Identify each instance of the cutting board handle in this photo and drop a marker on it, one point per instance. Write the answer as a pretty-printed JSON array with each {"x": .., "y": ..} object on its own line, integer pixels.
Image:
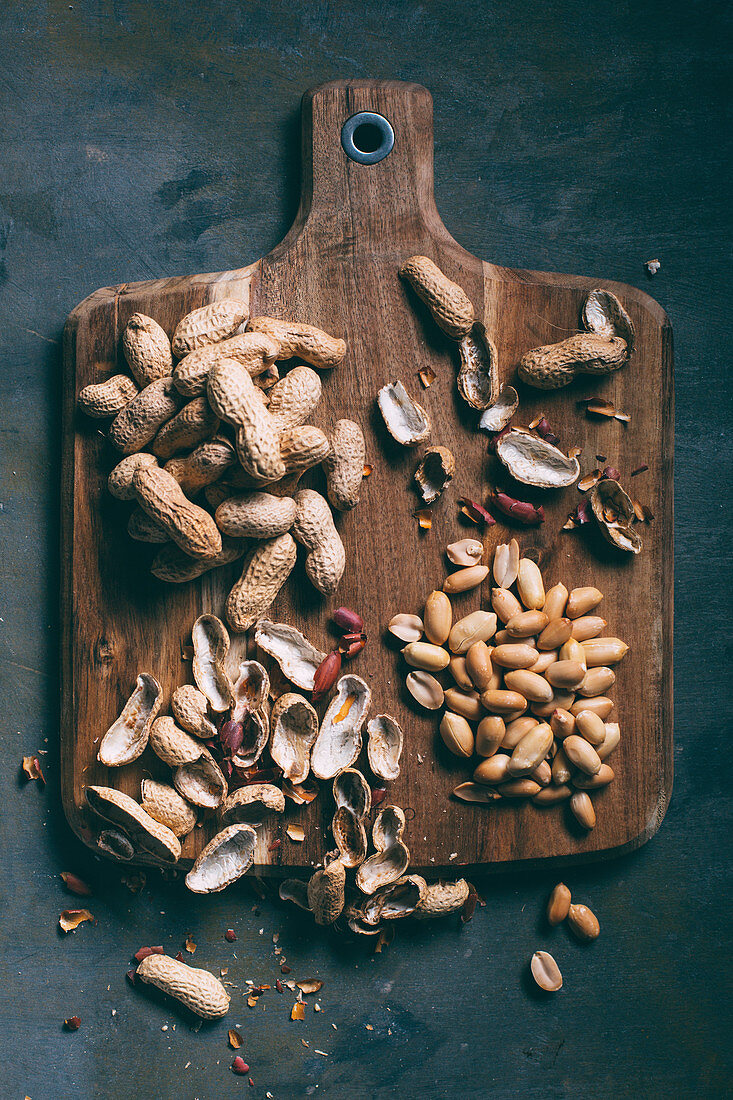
[{"x": 360, "y": 204}]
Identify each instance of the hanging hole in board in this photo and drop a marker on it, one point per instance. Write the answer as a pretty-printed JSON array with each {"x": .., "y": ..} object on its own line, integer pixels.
[{"x": 367, "y": 137}]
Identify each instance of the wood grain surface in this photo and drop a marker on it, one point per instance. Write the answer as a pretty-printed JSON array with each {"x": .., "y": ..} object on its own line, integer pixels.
[{"x": 338, "y": 268}]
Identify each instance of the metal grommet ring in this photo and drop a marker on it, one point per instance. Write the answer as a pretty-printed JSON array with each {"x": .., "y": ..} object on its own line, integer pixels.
[{"x": 367, "y": 137}]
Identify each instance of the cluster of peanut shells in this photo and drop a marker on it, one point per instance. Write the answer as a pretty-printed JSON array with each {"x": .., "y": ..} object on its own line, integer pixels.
[
  {"x": 214, "y": 741},
  {"x": 215, "y": 442},
  {"x": 529, "y": 699}
]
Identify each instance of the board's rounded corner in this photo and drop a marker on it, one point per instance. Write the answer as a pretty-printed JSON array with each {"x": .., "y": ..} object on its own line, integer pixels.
[{"x": 88, "y": 305}]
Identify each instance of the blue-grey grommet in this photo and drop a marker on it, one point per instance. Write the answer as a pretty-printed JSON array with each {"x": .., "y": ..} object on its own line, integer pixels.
[{"x": 380, "y": 137}]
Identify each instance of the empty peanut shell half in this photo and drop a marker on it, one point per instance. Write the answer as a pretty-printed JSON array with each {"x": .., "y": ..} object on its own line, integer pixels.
[
  {"x": 296, "y": 656},
  {"x": 350, "y": 836},
  {"x": 210, "y": 647},
  {"x": 435, "y": 472},
  {"x": 405, "y": 420},
  {"x": 339, "y": 739},
  {"x": 255, "y": 732},
  {"x": 250, "y": 691},
  {"x": 392, "y": 857},
  {"x": 384, "y": 746},
  {"x": 497, "y": 415},
  {"x": 614, "y": 514},
  {"x": 127, "y": 737},
  {"x": 294, "y": 730},
  {"x": 224, "y": 859},
  {"x": 350, "y": 789},
  {"x": 326, "y": 892},
  {"x": 201, "y": 782},
  {"x": 296, "y": 891},
  {"x": 478, "y": 378},
  {"x": 251, "y": 804},
  {"x": 533, "y": 461},
  {"x": 604, "y": 315},
  {"x": 394, "y": 901},
  {"x": 142, "y": 830}
]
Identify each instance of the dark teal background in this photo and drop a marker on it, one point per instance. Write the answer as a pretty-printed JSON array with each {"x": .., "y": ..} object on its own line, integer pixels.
[{"x": 146, "y": 139}]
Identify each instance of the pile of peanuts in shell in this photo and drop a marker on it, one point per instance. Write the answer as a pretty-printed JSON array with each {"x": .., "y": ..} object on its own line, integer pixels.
[
  {"x": 529, "y": 699},
  {"x": 215, "y": 442}
]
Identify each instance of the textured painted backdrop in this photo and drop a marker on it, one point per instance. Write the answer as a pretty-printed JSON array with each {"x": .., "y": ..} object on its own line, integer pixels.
[{"x": 142, "y": 139}]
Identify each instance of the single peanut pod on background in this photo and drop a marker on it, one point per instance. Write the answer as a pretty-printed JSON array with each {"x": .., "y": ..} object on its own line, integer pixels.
[
  {"x": 234, "y": 398},
  {"x": 581, "y": 601},
  {"x": 457, "y": 735},
  {"x": 503, "y": 702},
  {"x": 437, "y": 618},
  {"x": 208, "y": 325},
  {"x": 528, "y": 684},
  {"x": 197, "y": 990},
  {"x": 516, "y": 730},
  {"x": 591, "y": 727},
  {"x": 134, "y": 427},
  {"x": 527, "y": 624},
  {"x": 505, "y": 604},
  {"x": 465, "y": 703},
  {"x": 448, "y": 303},
  {"x": 314, "y": 528},
  {"x": 489, "y": 735},
  {"x": 189, "y": 526},
  {"x": 254, "y": 352},
  {"x": 581, "y": 754},
  {"x": 588, "y": 626},
  {"x": 604, "y": 651},
  {"x": 192, "y": 425},
  {"x": 530, "y": 585},
  {"x": 460, "y": 674},
  {"x": 313, "y": 345},
  {"x": 425, "y": 655},
  {"x": 492, "y": 770},
  {"x": 147, "y": 349},
  {"x": 582, "y": 809},
  {"x": 514, "y": 655},
  {"x": 265, "y": 571},
  {"x": 599, "y": 704},
  {"x": 555, "y": 634},
  {"x": 558, "y": 904},
  {"x": 555, "y": 602},
  {"x": 344, "y": 464},
  {"x": 465, "y": 579},
  {"x": 107, "y": 398},
  {"x": 555, "y": 365}
]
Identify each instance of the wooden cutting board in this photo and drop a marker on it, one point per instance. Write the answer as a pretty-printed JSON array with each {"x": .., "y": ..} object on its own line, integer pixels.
[{"x": 337, "y": 268}]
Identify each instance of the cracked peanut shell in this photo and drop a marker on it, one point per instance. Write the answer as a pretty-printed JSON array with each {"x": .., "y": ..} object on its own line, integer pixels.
[
  {"x": 339, "y": 739},
  {"x": 533, "y": 461},
  {"x": 294, "y": 725},
  {"x": 128, "y": 815},
  {"x": 126, "y": 738}
]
